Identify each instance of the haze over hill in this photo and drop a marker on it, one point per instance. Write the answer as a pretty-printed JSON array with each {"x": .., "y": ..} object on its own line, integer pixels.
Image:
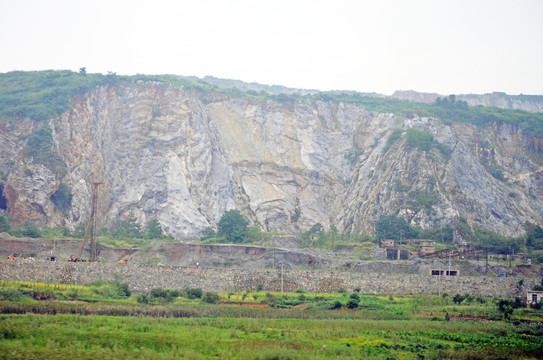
[{"x": 183, "y": 151}]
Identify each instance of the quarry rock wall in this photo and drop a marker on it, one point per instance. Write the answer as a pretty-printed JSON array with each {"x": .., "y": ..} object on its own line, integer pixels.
[{"x": 164, "y": 153}]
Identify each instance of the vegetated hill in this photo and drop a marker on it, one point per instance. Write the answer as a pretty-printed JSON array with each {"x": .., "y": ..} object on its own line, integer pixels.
[{"x": 183, "y": 151}]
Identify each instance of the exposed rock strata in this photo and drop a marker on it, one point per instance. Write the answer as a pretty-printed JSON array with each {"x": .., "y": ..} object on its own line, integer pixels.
[
  {"x": 531, "y": 103},
  {"x": 163, "y": 153}
]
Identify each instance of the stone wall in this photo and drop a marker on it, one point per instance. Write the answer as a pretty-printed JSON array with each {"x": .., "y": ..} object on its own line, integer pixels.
[{"x": 144, "y": 278}]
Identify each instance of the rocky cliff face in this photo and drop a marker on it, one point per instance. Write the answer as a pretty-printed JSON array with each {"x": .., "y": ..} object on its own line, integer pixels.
[
  {"x": 530, "y": 103},
  {"x": 162, "y": 153}
]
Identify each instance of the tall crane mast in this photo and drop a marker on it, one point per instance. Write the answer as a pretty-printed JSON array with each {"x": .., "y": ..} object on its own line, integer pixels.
[{"x": 92, "y": 221}]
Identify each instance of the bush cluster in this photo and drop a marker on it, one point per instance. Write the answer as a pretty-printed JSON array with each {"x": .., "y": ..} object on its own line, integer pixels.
[{"x": 166, "y": 296}]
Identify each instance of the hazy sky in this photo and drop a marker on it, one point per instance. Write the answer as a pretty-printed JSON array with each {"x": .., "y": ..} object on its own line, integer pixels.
[{"x": 447, "y": 47}]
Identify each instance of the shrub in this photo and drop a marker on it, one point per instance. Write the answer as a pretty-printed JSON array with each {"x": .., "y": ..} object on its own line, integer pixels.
[
  {"x": 518, "y": 303},
  {"x": 352, "y": 303},
  {"x": 335, "y": 305},
  {"x": 443, "y": 150},
  {"x": 142, "y": 299},
  {"x": 506, "y": 306},
  {"x": 41, "y": 149},
  {"x": 123, "y": 289},
  {"x": 11, "y": 294},
  {"x": 164, "y": 295},
  {"x": 45, "y": 294},
  {"x": 394, "y": 135},
  {"x": 458, "y": 298},
  {"x": 208, "y": 233},
  {"x": 211, "y": 298},
  {"x": 191, "y": 293},
  {"x": 507, "y": 311},
  {"x": 62, "y": 198},
  {"x": 111, "y": 289},
  {"x": 127, "y": 228},
  {"x": 269, "y": 298},
  {"x": 419, "y": 139},
  {"x": 31, "y": 231},
  {"x": 421, "y": 199}
]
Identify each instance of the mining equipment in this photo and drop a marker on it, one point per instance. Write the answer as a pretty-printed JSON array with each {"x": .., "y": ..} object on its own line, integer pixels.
[{"x": 92, "y": 221}]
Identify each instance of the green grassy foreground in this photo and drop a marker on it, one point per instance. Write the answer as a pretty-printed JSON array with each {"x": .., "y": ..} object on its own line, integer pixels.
[{"x": 105, "y": 321}]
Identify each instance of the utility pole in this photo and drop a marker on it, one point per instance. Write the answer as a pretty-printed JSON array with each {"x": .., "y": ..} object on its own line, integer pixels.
[
  {"x": 281, "y": 277},
  {"x": 439, "y": 284},
  {"x": 93, "y": 254},
  {"x": 486, "y": 266},
  {"x": 92, "y": 221},
  {"x": 450, "y": 252},
  {"x": 510, "y": 255}
]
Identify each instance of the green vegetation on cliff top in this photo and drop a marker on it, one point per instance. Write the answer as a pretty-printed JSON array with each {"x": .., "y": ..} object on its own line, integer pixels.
[{"x": 41, "y": 95}]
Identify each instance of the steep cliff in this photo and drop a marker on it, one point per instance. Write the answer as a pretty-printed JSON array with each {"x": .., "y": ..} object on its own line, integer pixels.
[{"x": 163, "y": 152}]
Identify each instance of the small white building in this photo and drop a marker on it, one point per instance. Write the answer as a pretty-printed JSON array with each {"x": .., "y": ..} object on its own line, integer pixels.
[{"x": 534, "y": 297}]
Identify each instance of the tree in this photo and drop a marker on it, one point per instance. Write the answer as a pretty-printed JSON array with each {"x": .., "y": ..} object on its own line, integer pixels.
[
  {"x": 83, "y": 71},
  {"x": 127, "y": 228},
  {"x": 4, "y": 224},
  {"x": 233, "y": 226},
  {"x": 506, "y": 307},
  {"x": 208, "y": 233},
  {"x": 112, "y": 77},
  {"x": 30, "y": 230},
  {"x": 533, "y": 234},
  {"x": 154, "y": 230},
  {"x": 394, "y": 227}
]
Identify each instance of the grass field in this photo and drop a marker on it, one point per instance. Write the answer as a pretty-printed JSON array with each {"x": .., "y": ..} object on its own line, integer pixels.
[{"x": 114, "y": 325}]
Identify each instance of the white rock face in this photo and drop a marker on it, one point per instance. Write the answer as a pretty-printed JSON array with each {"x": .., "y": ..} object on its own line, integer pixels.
[
  {"x": 163, "y": 153},
  {"x": 530, "y": 103}
]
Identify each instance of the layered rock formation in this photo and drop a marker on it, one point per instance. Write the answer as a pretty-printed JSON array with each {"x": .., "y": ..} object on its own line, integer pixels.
[
  {"x": 530, "y": 103},
  {"x": 161, "y": 152}
]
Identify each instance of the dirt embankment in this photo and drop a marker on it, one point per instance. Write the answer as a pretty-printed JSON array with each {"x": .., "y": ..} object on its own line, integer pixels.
[
  {"x": 177, "y": 254},
  {"x": 253, "y": 257}
]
